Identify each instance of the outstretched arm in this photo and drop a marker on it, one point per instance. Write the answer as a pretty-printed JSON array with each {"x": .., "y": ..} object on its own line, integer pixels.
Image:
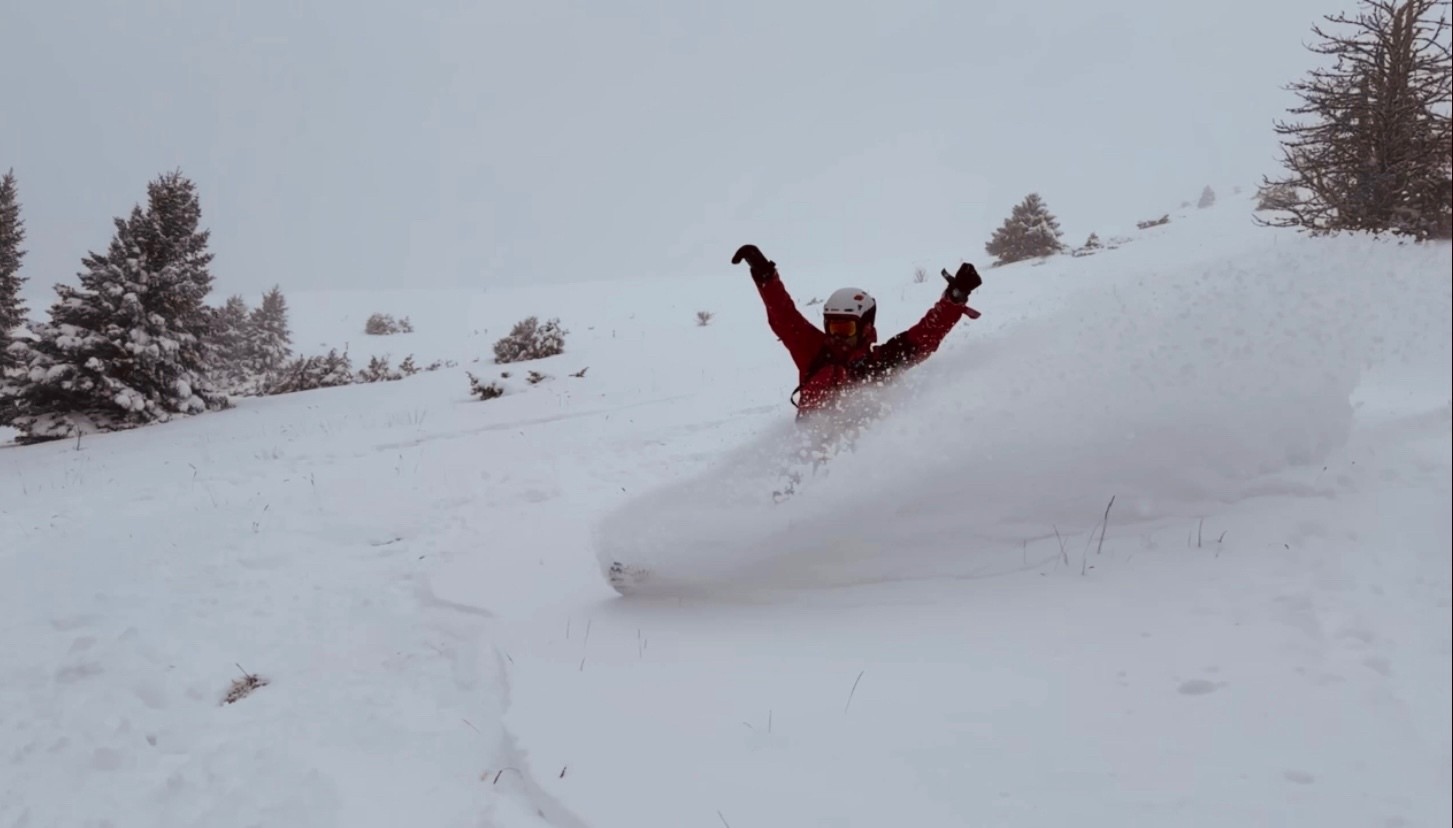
[
  {"x": 918, "y": 342},
  {"x": 913, "y": 345},
  {"x": 802, "y": 338}
]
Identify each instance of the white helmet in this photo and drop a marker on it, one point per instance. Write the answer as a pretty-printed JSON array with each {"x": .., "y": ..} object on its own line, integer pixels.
[{"x": 852, "y": 302}]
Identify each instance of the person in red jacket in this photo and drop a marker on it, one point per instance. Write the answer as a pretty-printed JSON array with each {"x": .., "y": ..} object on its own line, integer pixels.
[{"x": 843, "y": 353}]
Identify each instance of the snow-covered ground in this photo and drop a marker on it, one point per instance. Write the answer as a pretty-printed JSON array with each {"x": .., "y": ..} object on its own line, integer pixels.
[{"x": 944, "y": 627}]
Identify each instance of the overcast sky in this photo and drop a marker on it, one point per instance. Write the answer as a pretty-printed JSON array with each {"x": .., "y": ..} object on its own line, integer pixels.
[{"x": 449, "y": 143}]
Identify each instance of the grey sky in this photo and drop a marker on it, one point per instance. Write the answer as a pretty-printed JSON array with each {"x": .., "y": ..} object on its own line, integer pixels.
[{"x": 438, "y": 143}]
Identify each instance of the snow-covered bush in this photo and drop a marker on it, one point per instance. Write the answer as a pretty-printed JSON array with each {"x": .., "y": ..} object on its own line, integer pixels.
[
  {"x": 1149, "y": 223},
  {"x": 433, "y": 366},
  {"x": 378, "y": 370},
  {"x": 319, "y": 371},
  {"x": 484, "y": 390},
  {"x": 1208, "y": 197},
  {"x": 529, "y": 339},
  {"x": 1276, "y": 197},
  {"x": 383, "y": 324}
]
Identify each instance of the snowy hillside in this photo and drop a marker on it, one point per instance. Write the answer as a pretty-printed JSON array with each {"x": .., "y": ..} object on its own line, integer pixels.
[{"x": 951, "y": 624}]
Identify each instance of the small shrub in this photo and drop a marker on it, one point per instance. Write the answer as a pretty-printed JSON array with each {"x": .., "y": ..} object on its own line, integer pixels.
[
  {"x": 378, "y": 370},
  {"x": 920, "y": 275},
  {"x": 1149, "y": 223},
  {"x": 1208, "y": 197},
  {"x": 484, "y": 390},
  {"x": 382, "y": 324},
  {"x": 535, "y": 377},
  {"x": 703, "y": 318},
  {"x": 1092, "y": 244},
  {"x": 243, "y": 686},
  {"x": 310, "y": 372},
  {"x": 528, "y": 339},
  {"x": 1276, "y": 197}
]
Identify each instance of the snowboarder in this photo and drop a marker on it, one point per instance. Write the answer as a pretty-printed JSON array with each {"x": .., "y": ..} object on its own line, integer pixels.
[{"x": 843, "y": 353}]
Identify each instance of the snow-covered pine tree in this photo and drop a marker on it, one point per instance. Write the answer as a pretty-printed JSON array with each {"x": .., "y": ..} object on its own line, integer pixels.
[
  {"x": 1089, "y": 248},
  {"x": 131, "y": 345},
  {"x": 269, "y": 342},
  {"x": 1208, "y": 197},
  {"x": 229, "y": 344},
  {"x": 1029, "y": 231},
  {"x": 12, "y": 233}
]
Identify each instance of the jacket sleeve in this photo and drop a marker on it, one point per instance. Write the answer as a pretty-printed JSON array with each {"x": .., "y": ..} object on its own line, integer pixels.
[
  {"x": 913, "y": 345},
  {"x": 802, "y": 338}
]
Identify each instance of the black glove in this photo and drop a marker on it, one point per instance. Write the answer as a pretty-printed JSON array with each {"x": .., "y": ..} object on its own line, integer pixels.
[
  {"x": 763, "y": 271},
  {"x": 961, "y": 284}
]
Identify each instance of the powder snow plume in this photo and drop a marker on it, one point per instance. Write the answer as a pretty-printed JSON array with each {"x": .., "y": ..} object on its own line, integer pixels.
[{"x": 1171, "y": 388}]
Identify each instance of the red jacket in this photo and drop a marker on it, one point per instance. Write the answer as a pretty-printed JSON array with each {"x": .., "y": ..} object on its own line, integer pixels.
[{"x": 821, "y": 377}]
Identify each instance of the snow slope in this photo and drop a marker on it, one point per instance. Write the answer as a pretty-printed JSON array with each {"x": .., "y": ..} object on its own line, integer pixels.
[{"x": 943, "y": 627}]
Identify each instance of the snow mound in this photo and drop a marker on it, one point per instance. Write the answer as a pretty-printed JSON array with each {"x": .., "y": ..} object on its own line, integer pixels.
[{"x": 1174, "y": 390}]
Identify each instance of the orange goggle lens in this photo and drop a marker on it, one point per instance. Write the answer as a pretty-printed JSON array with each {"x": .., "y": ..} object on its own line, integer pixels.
[{"x": 842, "y": 327}]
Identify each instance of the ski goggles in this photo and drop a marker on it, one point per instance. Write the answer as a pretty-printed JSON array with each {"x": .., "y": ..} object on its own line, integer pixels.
[{"x": 843, "y": 326}]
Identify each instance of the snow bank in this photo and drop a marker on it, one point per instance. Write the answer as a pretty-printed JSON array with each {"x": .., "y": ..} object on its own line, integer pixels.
[{"x": 1176, "y": 389}]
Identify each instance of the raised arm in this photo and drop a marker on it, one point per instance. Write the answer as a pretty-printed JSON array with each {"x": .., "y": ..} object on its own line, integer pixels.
[
  {"x": 802, "y": 338},
  {"x": 911, "y": 346},
  {"x": 918, "y": 342}
]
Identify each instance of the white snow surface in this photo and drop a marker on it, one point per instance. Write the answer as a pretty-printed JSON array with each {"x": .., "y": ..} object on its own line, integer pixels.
[{"x": 942, "y": 627}]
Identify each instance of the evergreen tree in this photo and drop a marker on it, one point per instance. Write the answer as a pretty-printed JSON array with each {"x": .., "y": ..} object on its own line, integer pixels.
[
  {"x": 1375, "y": 155},
  {"x": 269, "y": 342},
  {"x": 1208, "y": 197},
  {"x": 231, "y": 325},
  {"x": 229, "y": 336},
  {"x": 12, "y": 233},
  {"x": 130, "y": 346},
  {"x": 1029, "y": 231}
]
